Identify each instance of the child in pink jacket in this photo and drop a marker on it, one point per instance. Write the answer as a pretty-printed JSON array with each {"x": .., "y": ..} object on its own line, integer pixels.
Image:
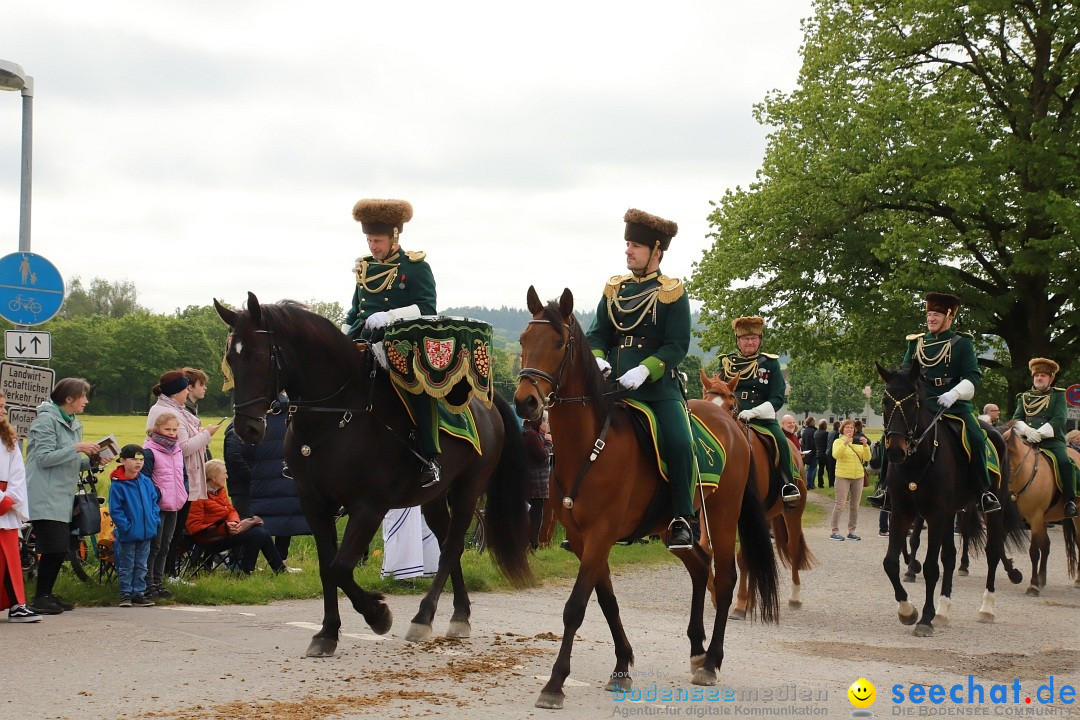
[{"x": 163, "y": 444}]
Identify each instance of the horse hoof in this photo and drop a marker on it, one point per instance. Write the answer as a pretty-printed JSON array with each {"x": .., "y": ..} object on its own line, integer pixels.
[
  {"x": 550, "y": 701},
  {"x": 383, "y": 621},
  {"x": 1032, "y": 591},
  {"x": 985, "y": 617},
  {"x": 704, "y": 677},
  {"x": 962, "y": 572},
  {"x": 941, "y": 621},
  {"x": 737, "y": 614},
  {"x": 696, "y": 661},
  {"x": 622, "y": 684},
  {"x": 459, "y": 629},
  {"x": 916, "y": 566},
  {"x": 1015, "y": 576},
  {"x": 910, "y": 577},
  {"x": 922, "y": 630},
  {"x": 794, "y": 604},
  {"x": 907, "y": 613},
  {"x": 418, "y": 633},
  {"x": 321, "y": 647}
]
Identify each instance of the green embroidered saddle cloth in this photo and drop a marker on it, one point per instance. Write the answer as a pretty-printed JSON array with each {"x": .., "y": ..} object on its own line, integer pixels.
[
  {"x": 1052, "y": 461},
  {"x": 448, "y": 358},
  {"x": 709, "y": 452},
  {"x": 456, "y": 424},
  {"x": 770, "y": 441},
  {"x": 993, "y": 462}
]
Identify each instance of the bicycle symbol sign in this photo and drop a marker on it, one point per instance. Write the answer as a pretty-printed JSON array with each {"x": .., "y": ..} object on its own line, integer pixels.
[{"x": 31, "y": 289}]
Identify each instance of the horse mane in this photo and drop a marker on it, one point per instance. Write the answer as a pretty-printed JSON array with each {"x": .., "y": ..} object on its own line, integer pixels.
[
  {"x": 320, "y": 336},
  {"x": 597, "y": 386}
]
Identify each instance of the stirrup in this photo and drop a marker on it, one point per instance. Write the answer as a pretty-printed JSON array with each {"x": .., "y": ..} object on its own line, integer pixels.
[
  {"x": 880, "y": 501},
  {"x": 1070, "y": 509},
  {"x": 676, "y": 541},
  {"x": 989, "y": 502},
  {"x": 790, "y": 492},
  {"x": 433, "y": 471}
]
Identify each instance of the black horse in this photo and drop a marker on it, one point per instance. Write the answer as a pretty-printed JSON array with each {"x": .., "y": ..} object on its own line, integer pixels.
[
  {"x": 927, "y": 476},
  {"x": 347, "y": 447}
]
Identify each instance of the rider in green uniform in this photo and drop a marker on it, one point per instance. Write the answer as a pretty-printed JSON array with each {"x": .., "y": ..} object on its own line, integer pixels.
[
  {"x": 392, "y": 285},
  {"x": 950, "y": 374},
  {"x": 1040, "y": 417},
  {"x": 642, "y": 332},
  {"x": 761, "y": 391}
]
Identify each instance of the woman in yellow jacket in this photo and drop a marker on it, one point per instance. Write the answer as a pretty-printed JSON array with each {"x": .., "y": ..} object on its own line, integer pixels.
[{"x": 850, "y": 456}]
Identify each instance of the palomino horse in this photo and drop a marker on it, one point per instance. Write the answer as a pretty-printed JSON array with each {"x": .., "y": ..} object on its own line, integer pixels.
[
  {"x": 346, "y": 448},
  {"x": 1039, "y": 501},
  {"x": 927, "y": 469},
  {"x": 786, "y": 521},
  {"x": 609, "y": 481}
]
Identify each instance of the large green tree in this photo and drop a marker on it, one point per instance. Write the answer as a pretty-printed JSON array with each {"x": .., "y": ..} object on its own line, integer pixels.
[{"x": 929, "y": 145}]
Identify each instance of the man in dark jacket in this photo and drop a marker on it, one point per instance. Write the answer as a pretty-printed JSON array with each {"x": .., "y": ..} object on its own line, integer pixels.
[
  {"x": 273, "y": 496},
  {"x": 810, "y": 455},
  {"x": 833, "y": 434},
  {"x": 821, "y": 447}
]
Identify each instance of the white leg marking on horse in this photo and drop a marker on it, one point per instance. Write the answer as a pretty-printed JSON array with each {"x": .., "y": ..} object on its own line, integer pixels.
[
  {"x": 944, "y": 607},
  {"x": 906, "y": 609},
  {"x": 795, "y": 587},
  {"x": 986, "y": 612}
]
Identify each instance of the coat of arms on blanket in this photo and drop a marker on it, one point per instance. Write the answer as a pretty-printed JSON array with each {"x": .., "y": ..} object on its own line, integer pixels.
[{"x": 447, "y": 358}]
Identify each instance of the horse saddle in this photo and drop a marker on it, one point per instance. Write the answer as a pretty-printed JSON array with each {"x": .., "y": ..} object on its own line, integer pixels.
[
  {"x": 709, "y": 452},
  {"x": 956, "y": 427},
  {"x": 776, "y": 478}
]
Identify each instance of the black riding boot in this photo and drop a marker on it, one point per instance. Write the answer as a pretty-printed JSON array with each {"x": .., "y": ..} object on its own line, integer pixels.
[{"x": 680, "y": 537}]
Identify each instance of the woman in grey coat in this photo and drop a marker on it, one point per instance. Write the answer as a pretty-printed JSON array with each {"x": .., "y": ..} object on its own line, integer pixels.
[{"x": 53, "y": 461}]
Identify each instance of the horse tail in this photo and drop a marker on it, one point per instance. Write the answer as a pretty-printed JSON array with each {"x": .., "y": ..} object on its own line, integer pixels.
[
  {"x": 1068, "y": 528},
  {"x": 1016, "y": 532},
  {"x": 505, "y": 516},
  {"x": 972, "y": 531},
  {"x": 780, "y": 534},
  {"x": 758, "y": 551}
]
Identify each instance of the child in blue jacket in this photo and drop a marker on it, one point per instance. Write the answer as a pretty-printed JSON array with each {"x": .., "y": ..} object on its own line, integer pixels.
[{"x": 133, "y": 504}]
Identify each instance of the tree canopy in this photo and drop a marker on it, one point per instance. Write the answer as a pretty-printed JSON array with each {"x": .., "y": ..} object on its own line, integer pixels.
[{"x": 929, "y": 145}]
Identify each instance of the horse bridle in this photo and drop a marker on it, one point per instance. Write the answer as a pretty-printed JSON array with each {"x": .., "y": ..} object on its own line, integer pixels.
[
  {"x": 553, "y": 381},
  {"x": 276, "y": 366},
  {"x": 911, "y": 430}
]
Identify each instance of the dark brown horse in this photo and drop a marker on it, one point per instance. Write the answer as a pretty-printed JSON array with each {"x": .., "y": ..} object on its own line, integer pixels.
[
  {"x": 786, "y": 521},
  {"x": 609, "y": 495},
  {"x": 346, "y": 447}
]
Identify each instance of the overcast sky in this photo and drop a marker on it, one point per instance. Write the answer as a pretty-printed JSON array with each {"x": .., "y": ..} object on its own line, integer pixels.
[{"x": 203, "y": 149}]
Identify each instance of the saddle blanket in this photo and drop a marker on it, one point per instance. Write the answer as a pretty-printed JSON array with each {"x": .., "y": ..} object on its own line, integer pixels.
[
  {"x": 460, "y": 424},
  {"x": 993, "y": 462},
  {"x": 709, "y": 452},
  {"x": 1052, "y": 461},
  {"x": 770, "y": 442}
]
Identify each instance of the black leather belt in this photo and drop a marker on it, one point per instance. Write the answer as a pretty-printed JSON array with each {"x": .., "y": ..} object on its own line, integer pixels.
[
  {"x": 939, "y": 381},
  {"x": 639, "y": 342}
]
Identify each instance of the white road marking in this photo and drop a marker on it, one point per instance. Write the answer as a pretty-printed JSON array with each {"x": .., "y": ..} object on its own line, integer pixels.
[{"x": 355, "y": 636}]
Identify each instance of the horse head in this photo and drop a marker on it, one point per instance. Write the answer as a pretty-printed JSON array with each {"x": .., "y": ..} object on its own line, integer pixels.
[
  {"x": 715, "y": 389},
  {"x": 547, "y": 345},
  {"x": 901, "y": 408},
  {"x": 255, "y": 361}
]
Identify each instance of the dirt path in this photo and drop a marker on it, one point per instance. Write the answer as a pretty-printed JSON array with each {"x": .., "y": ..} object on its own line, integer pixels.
[{"x": 228, "y": 662}]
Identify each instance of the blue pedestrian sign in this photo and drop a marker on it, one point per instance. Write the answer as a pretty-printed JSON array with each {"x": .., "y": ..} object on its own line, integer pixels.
[{"x": 31, "y": 289}]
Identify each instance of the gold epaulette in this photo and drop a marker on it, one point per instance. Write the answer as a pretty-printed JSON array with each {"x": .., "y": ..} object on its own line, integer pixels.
[
  {"x": 1059, "y": 389},
  {"x": 613, "y": 284},
  {"x": 671, "y": 289},
  {"x": 915, "y": 336},
  {"x": 415, "y": 256},
  {"x": 967, "y": 335},
  {"x": 770, "y": 356}
]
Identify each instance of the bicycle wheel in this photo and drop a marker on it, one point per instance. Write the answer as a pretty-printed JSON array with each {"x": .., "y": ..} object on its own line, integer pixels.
[{"x": 476, "y": 535}]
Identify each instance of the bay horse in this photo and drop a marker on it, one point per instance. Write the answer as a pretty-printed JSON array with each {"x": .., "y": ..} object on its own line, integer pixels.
[
  {"x": 927, "y": 475},
  {"x": 346, "y": 447},
  {"x": 1039, "y": 501},
  {"x": 608, "y": 481},
  {"x": 786, "y": 521}
]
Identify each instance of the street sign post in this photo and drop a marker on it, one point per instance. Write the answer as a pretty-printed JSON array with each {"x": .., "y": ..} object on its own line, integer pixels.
[
  {"x": 27, "y": 345},
  {"x": 26, "y": 387},
  {"x": 1074, "y": 413},
  {"x": 1072, "y": 395},
  {"x": 31, "y": 289}
]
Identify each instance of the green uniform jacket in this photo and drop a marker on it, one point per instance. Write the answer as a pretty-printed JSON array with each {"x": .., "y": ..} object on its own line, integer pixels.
[
  {"x": 1055, "y": 412},
  {"x": 403, "y": 279},
  {"x": 646, "y": 322},
  {"x": 760, "y": 379},
  {"x": 957, "y": 363},
  {"x": 53, "y": 463}
]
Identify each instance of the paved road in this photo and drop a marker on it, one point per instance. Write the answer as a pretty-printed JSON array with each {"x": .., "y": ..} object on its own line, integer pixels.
[{"x": 187, "y": 663}]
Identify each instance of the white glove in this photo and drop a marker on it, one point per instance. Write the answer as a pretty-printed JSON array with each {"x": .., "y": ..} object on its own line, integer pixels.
[
  {"x": 345, "y": 328},
  {"x": 1021, "y": 428},
  {"x": 409, "y": 312},
  {"x": 764, "y": 411},
  {"x": 377, "y": 320},
  {"x": 604, "y": 365},
  {"x": 964, "y": 390},
  {"x": 947, "y": 398},
  {"x": 632, "y": 379},
  {"x": 1045, "y": 432},
  {"x": 1032, "y": 436}
]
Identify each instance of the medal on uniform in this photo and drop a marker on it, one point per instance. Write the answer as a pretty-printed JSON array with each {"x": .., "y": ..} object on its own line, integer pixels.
[{"x": 401, "y": 284}]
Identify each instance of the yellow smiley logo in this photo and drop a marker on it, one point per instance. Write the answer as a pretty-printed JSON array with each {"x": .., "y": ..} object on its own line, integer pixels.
[{"x": 862, "y": 693}]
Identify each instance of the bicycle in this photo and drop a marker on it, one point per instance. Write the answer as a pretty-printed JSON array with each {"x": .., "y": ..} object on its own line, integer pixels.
[{"x": 17, "y": 303}]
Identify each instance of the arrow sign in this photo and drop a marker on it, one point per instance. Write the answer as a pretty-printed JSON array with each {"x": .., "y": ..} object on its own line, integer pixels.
[{"x": 27, "y": 345}]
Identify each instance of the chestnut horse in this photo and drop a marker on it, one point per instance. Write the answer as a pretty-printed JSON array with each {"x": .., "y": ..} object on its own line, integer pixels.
[
  {"x": 786, "y": 521},
  {"x": 608, "y": 481},
  {"x": 1039, "y": 501},
  {"x": 346, "y": 447}
]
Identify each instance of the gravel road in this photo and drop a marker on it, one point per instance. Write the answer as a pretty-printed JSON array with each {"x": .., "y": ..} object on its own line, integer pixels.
[{"x": 183, "y": 663}]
